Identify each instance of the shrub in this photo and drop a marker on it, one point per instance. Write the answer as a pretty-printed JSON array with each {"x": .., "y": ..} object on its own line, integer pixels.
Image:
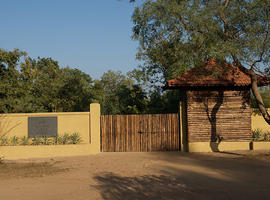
[
  {"x": 260, "y": 135},
  {"x": 24, "y": 140},
  {"x": 36, "y": 141},
  {"x": 46, "y": 140},
  {"x": 267, "y": 136},
  {"x": 14, "y": 140},
  {"x": 75, "y": 138},
  {"x": 4, "y": 141},
  {"x": 66, "y": 138}
]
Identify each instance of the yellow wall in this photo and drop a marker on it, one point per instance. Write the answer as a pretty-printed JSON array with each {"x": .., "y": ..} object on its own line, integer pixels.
[
  {"x": 214, "y": 147},
  {"x": 87, "y": 124},
  {"x": 257, "y": 121},
  {"x": 17, "y": 124}
]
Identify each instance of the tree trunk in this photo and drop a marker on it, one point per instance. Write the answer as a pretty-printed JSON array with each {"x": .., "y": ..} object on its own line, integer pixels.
[
  {"x": 254, "y": 89},
  {"x": 257, "y": 95}
]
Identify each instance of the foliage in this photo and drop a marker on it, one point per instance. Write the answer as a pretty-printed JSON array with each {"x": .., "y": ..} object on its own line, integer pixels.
[
  {"x": 65, "y": 138},
  {"x": 36, "y": 141},
  {"x": 260, "y": 135},
  {"x": 73, "y": 138},
  {"x": 4, "y": 141},
  {"x": 265, "y": 93},
  {"x": 121, "y": 94},
  {"x": 24, "y": 140},
  {"x": 14, "y": 140},
  {"x": 177, "y": 35},
  {"x": 46, "y": 140},
  {"x": 41, "y": 85}
]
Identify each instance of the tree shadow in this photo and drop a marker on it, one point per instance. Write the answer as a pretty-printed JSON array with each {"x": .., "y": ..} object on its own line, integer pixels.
[
  {"x": 190, "y": 176},
  {"x": 113, "y": 186},
  {"x": 212, "y": 117}
]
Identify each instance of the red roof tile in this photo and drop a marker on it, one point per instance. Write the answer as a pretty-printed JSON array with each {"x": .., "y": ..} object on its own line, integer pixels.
[{"x": 213, "y": 73}]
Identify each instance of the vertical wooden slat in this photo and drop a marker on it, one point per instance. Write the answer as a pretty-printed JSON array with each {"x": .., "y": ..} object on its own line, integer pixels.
[{"x": 160, "y": 132}]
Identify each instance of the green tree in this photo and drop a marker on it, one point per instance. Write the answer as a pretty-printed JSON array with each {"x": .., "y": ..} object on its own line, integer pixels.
[
  {"x": 121, "y": 94},
  {"x": 175, "y": 35},
  {"x": 11, "y": 89},
  {"x": 40, "y": 85},
  {"x": 76, "y": 92}
]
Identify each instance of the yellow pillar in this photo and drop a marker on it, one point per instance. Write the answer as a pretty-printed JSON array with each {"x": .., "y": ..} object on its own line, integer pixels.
[{"x": 95, "y": 125}]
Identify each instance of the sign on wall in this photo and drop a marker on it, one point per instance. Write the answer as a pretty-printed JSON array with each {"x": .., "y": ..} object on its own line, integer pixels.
[{"x": 42, "y": 126}]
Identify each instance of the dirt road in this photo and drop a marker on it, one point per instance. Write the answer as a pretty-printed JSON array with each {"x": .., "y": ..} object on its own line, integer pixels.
[{"x": 109, "y": 176}]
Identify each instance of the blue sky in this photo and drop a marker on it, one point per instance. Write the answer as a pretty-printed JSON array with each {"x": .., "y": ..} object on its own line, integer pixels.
[{"x": 91, "y": 35}]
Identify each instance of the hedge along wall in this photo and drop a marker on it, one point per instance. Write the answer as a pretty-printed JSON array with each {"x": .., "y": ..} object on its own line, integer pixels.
[{"x": 87, "y": 124}]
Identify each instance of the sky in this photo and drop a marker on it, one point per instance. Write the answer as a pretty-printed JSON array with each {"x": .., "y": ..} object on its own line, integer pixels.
[{"x": 91, "y": 35}]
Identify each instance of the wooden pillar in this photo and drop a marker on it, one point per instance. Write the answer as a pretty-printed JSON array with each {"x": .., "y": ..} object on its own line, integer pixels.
[{"x": 183, "y": 123}]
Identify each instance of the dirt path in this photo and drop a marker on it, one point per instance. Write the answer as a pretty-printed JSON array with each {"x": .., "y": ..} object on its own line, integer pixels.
[{"x": 139, "y": 176}]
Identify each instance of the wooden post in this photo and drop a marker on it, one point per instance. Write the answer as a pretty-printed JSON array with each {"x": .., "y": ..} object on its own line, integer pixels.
[{"x": 183, "y": 126}]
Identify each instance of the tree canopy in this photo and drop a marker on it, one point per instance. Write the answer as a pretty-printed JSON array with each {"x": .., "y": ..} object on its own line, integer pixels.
[
  {"x": 176, "y": 35},
  {"x": 41, "y": 85}
]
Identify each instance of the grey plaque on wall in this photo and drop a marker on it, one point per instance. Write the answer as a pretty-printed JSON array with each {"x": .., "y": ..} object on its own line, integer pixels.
[{"x": 42, "y": 126}]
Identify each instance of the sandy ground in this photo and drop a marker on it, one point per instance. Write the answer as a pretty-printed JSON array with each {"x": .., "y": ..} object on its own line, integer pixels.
[{"x": 109, "y": 176}]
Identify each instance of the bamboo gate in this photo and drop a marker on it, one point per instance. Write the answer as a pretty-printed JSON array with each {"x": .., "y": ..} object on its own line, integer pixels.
[{"x": 136, "y": 133}]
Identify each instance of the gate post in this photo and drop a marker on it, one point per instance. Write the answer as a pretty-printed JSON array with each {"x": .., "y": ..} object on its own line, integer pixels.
[
  {"x": 183, "y": 126},
  {"x": 94, "y": 122}
]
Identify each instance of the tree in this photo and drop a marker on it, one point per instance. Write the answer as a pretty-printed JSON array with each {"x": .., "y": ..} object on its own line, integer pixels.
[
  {"x": 11, "y": 89},
  {"x": 76, "y": 92},
  {"x": 175, "y": 35},
  {"x": 121, "y": 94},
  {"x": 40, "y": 85}
]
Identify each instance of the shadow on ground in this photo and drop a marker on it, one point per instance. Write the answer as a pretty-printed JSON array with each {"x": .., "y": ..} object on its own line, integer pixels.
[{"x": 192, "y": 176}]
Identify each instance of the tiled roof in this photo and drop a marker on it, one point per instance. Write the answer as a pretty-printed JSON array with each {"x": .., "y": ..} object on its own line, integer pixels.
[{"x": 213, "y": 73}]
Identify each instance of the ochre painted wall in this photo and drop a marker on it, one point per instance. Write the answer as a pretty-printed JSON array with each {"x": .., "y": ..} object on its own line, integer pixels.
[
  {"x": 87, "y": 124},
  {"x": 258, "y": 122},
  {"x": 17, "y": 124}
]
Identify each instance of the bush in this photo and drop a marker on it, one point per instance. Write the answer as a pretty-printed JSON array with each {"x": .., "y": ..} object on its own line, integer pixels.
[
  {"x": 14, "y": 140},
  {"x": 4, "y": 141},
  {"x": 24, "y": 140},
  {"x": 36, "y": 141},
  {"x": 260, "y": 135},
  {"x": 73, "y": 138}
]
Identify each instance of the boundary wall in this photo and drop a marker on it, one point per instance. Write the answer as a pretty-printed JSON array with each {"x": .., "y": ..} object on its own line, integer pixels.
[{"x": 87, "y": 124}]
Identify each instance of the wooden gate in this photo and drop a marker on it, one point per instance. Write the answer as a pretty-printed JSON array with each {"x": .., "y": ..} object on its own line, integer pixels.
[{"x": 147, "y": 132}]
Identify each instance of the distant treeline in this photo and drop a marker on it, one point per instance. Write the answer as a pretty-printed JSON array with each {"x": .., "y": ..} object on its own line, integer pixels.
[{"x": 41, "y": 85}]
